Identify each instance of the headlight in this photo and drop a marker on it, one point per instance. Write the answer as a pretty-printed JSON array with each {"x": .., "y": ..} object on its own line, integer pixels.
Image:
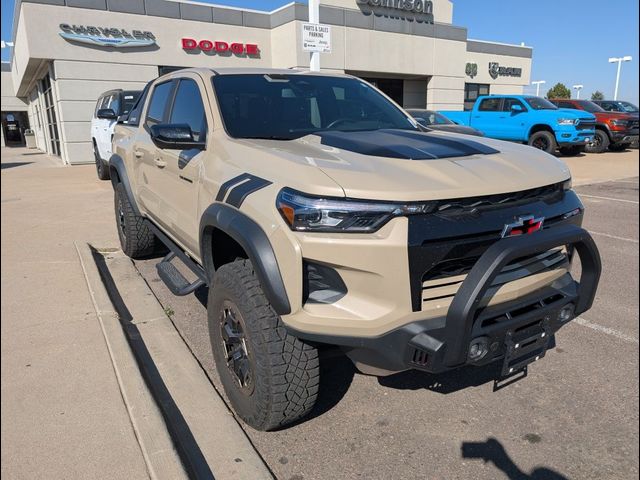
[
  {"x": 619, "y": 122},
  {"x": 567, "y": 121},
  {"x": 317, "y": 214},
  {"x": 567, "y": 185}
]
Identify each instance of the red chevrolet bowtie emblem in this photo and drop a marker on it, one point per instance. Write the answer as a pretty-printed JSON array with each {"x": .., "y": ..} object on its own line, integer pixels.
[{"x": 524, "y": 226}]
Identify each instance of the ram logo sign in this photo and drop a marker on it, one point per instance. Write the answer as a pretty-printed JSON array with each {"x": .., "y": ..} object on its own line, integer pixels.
[
  {"x": 106, "y": 36},
  {"x": 495, "y": 70}
]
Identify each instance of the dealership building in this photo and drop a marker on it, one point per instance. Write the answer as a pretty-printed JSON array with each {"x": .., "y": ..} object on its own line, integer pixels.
[{"x": 67, "y": 52}]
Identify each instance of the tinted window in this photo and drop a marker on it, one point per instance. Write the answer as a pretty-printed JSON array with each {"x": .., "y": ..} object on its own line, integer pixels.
[
  {"x": 159, "y": 100},
  {"x": 292, "y": 106},
  {"x": 590, "y": 106},
  {"x": 510, "y": 102},
  {"x": 129, "y": 99},
  {"x": 628, "y": 107},
  {"x": 566, "y": 105},
  {"x": 490, "y": 105},
  {"x": 538, "y": 103},
  {"x": 136, "y": 111},
  {"x": 188, "y": 108}
]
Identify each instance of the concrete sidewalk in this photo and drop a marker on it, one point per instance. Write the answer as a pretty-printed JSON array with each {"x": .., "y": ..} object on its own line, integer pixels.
[{"x": 63, "y": 415}]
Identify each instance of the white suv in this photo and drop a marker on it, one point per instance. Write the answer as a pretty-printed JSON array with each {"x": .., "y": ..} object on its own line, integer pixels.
[{"x": 109, "y": 107}]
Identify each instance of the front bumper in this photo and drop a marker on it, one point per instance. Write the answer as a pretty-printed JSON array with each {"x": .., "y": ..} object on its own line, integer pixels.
[
  {"x": 567, "y": 136},
  {"x": 627, "y": 136},
  {"x": 441, "y": 344}
]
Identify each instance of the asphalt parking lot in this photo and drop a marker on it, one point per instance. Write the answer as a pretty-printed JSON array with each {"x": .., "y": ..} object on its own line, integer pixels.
[{"x": 575, "y": 416}]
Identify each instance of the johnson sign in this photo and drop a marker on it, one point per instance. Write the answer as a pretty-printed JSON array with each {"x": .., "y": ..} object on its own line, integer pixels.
[{"x": 220, "y": 48}]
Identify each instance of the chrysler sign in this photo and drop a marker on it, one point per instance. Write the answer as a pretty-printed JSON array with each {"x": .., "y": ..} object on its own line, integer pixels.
[
  {"x": 106, "y": 36},
  {"x": 412, "y": 6}
]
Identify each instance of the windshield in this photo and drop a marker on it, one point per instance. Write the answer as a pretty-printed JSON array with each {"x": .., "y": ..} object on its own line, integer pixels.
[
  {"x": 429, "y": 117},
  {"x": 286, "y": 107},
  {"x": 538, "y": 103},
  {"x": 591, "y": 107},
  {"x": 628, "y": 107}
]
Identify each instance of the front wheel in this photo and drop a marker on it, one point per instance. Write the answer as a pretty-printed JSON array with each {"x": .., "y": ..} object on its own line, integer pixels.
[
  {"x": 544, "y": 141},
  {"x": 270, "y": 377},
  {"x": 600, "y": 142}
]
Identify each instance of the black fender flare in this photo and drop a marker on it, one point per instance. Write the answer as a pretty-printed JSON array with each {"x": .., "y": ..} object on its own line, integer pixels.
[
  {"x": 118, "y": 173},
  {"x": 255, "y": 243}
]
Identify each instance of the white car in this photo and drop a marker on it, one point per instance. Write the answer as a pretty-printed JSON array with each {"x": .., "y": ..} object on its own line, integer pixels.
[{"x": 109, "y": 107}]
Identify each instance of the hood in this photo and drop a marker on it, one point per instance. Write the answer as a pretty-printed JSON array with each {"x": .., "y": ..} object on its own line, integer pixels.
[
  {"x": 572, "y": 113},
  {"x": 411, "y": 166}
]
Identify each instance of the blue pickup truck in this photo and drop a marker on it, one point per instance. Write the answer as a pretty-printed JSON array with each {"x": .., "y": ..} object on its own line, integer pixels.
[{"x": 529, "y": 119}]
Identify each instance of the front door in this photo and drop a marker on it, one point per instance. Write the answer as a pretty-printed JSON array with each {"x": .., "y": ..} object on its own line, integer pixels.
[
  {"x": 513, "y": 124},
  {"x": 183, "y": 167}
]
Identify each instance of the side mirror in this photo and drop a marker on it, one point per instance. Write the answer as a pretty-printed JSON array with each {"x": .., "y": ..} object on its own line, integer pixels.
[
  {"x": 517, "y": 108},
  {"x": 107, "y": 114},
  {"x": 174, "y": 137}
]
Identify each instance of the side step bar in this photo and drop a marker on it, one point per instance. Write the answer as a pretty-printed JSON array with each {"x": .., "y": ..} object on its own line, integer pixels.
[{"x": 167, "y": 271}]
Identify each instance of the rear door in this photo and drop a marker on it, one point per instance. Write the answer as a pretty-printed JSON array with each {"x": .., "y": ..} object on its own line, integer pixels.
[
  {"x": 150, "y": 179},
  {"x": 183, "y": 167},
  {"x": 488, "y": 117}
]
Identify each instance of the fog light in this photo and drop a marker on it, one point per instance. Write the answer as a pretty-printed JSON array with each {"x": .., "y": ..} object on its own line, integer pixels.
[
  {"x": 566, "y": 313},
  {"x": 478, "y": 349}
]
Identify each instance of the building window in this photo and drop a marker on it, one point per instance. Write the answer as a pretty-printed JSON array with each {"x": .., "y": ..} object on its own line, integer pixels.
[
  {"x": 164, "y": 69},
  {"x": 472, "y": 91},
  {"x": 52, "y": 124}
]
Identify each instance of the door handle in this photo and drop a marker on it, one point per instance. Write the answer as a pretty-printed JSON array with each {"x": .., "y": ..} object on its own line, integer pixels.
[
  {"x": 138, "y": 153},
  {"x": 159, "y": 162}
]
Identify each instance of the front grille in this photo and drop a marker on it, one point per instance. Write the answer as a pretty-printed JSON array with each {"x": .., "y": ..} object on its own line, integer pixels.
[
  {"x": 503, "y": 200},
  {"x": 586, "y": 124},
  {"x": 442, "y": 282}
]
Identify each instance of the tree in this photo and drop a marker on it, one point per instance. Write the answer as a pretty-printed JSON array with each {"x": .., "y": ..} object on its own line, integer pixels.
[
  {"x": 559, "y": 90},
  {"x": 597, "y": 95}
]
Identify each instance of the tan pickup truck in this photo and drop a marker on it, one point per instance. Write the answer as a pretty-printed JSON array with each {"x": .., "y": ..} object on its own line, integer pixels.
[{"x": 317, "y": 212}]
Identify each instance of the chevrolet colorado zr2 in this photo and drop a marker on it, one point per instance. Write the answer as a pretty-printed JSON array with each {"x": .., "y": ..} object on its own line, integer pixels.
[{"x": 317, "y": 212}]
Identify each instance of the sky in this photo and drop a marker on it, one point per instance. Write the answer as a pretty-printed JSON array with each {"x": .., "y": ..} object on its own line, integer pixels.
[{"x": 571, "y": 39}]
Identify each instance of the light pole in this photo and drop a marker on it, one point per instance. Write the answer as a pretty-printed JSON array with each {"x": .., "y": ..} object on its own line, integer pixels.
[
  {"x": 314, "y": 17},
  {"x": 619, "y": 61},
  {"x": 537, "y": 83},
  {"x": 578, "y": 88}
]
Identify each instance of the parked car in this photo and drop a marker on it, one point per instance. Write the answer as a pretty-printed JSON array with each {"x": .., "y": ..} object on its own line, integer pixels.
[
  {"x": 615, "y": 131},
  {"x": 317, "y": 212},
  {"x": 437, "y": 121},
  {"x": 529, "y": 119},
  {"x": 109, "y": 107},
  {"x": 617, "y": 106}
]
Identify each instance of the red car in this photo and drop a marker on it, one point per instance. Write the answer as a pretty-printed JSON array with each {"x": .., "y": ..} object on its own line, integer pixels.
[{"x": 614, "y": 130}]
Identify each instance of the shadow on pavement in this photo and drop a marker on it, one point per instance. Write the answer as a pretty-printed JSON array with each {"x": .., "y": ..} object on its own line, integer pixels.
[
  {"x": 7, "y": 165},
  {"x": 444, "y": 383},
  {"x": 493, "y": 451}
]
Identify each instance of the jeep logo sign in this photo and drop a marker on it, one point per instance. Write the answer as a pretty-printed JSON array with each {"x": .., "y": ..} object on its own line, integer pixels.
[{"x": 415, "y": 6}]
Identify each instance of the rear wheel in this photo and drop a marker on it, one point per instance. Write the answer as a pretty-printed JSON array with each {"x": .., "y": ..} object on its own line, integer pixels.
[
  {"x": 572, "y": 151},
  {"x": 136, "y": 239},
  {"x": 600, "y": 142},
  {"x": 102, "y": 168},
  {"x": 270, "y": 377},
  {"x": 544, "y": 141}
]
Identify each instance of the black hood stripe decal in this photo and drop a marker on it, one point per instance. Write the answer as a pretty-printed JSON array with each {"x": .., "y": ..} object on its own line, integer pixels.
[{"x": 404, "y": 144}]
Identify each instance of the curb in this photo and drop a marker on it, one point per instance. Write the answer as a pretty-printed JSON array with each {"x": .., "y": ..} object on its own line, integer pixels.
[
  {"x": 206, "y": 435},
  {"x": 157, "y": 448}
]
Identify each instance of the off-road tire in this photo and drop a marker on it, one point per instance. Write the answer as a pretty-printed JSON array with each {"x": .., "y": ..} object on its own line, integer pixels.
[
  {"x": 600, "y": 142},
  {"x": 102, "y": 168},
  {"x": 285, "y": 370},
  {"x": 136, "y": 239},
  {"x": 619, "y": 147},
  {"x": 572, "y": 151},
  {"x": 544, "y": 141}
]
